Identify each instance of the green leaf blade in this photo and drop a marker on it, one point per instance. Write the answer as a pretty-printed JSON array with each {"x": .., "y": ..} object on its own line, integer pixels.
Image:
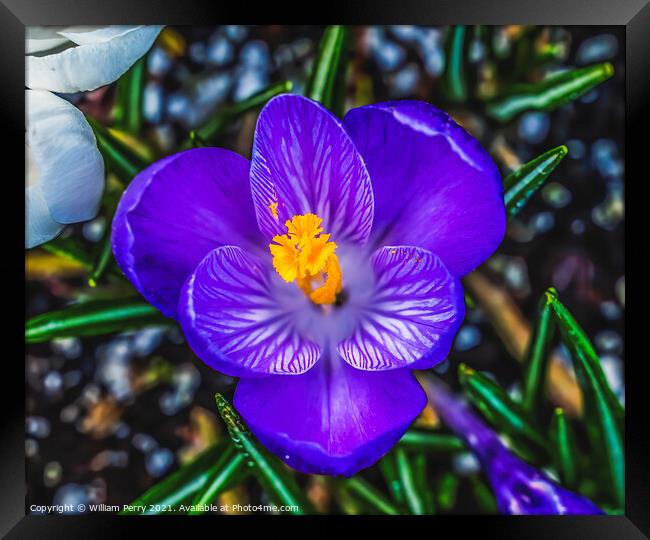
[
  {"x": 536, "y": 360},
  {"x": 128, "y": 109},
  {"x": 118, "y": 157},
  {"x": 447, "y": 491},
  {"x": 230, "y": 465},
  {"x": 504, "y": 414},
  {"x": 583, "y": 351},
  {"x": 104, "y": 258},
  {"x": 275, "y": 479},
  {"x": 423, "y": 441},
  {"x": 94, "y": 317},
  {"x": 406, "y": 475},
  {"x": 328, "y": 74},
  {"x": 522, "y": 184},
  {"x": 69, "y": 248},
  {"x": 549, "y": 93},
  {"x": 373, "y": 497},
  {"x": 388, "y": 467},
  {"x": 565, "y": 453},
  {"x": 425, "y": 491},
  {"x": 180, "y": 485},
  {"x": 604, "y": 414},
  {"x": 454, "y": 76},
  {"x": 206, "y": 134}
]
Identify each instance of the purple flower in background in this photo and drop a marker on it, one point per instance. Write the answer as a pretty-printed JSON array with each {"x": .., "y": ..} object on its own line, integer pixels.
[
  {"x": 321, "y": 272},
  {"x": 519, "y": 487}
]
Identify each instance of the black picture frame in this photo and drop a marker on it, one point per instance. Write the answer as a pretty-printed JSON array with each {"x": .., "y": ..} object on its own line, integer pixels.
[{"x": 633, "y": 14}]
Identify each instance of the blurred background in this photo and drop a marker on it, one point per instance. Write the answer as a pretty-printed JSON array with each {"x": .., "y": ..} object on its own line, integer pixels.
[{"x": 109, "y": 416}]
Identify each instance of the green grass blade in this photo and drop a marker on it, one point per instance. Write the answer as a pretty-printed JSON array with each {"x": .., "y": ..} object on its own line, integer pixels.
[
  {"x": 454, "y": 76},
  {"x": 206, "y": 134},
  {"x": 604, "y": 415},
  {"x": 520, "y": 186},
  {"x": 229, "y": 466},
  {"x": 430, "y": 442},
  {"x": 405, "y": 473},
  {"x": 536, "y": 360},
  {"x": 94, "y": 317},
  {"x": 328, "y": 74},
  {"x": 565, "y": 453},
  {"x": 549, "y": 93},
  {"x": 181, "y": 485},
  {"x": 504, "y": 414},
  {"x": 118, "y": 157},
  {"x": 272, "y": 474},
  {"x": 371, "y": 496}
]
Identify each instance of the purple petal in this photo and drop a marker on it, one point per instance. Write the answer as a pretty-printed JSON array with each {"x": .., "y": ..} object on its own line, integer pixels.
[
  {"x": 176, "y": 211},
  {"x": 433, "y": 183},
  {"x": 235, "y": 324},
  {"x": 334, "y": 419},
  {"x": 519, "y": 488},
  {"x": 304, "y": 161},
  {"x": 413, "y": 316}
]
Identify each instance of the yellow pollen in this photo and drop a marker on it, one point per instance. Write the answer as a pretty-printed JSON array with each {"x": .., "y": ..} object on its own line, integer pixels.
[
  {"x": 274, "y": 209},
  {"x": 306, "y": 256}
]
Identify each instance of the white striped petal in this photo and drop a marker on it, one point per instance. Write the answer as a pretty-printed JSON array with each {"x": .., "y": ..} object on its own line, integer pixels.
[
  {"x": 414, "y": 314},
  {"x": 103, "y": 54},
  {"x": 62, "y": 144},
  {"x": 235, "y": 323},
  {"x": 305, "y": 162}
]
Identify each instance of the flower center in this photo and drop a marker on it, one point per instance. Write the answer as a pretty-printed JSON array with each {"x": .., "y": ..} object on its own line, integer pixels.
[{"x": 306, "y": 256}]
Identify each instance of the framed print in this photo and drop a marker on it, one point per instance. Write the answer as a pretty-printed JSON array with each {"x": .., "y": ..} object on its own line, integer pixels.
[{"x": 373, "y": 268}]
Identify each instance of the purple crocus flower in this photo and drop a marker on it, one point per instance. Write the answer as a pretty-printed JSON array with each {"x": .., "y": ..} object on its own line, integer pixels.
[
  {"x": 519, "y": 487},
  {"x": 321, "y": 272}
]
